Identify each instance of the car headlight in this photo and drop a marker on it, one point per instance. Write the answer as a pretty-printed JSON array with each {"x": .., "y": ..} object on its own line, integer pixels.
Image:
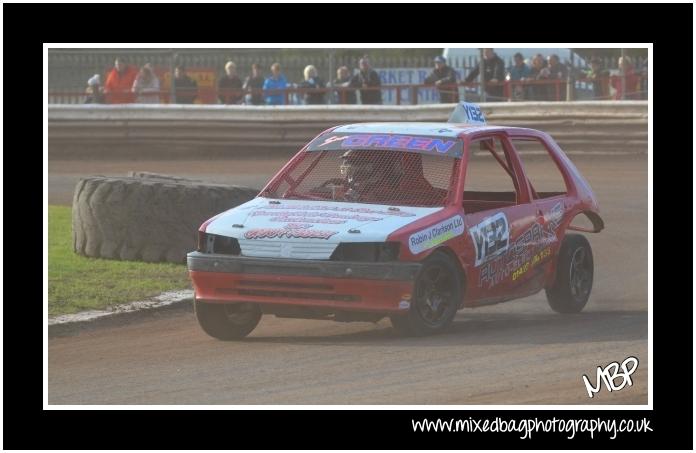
[
  {"x": 366, "y": 251},
  {"x": 214, "y": 243}
]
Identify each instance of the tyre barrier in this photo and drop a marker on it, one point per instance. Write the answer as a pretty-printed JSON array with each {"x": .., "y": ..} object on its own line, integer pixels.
[{"x": 146, "y": 217}]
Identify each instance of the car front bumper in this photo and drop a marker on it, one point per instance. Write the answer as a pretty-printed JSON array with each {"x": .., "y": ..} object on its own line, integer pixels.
[{"x": 351, "y": 286}]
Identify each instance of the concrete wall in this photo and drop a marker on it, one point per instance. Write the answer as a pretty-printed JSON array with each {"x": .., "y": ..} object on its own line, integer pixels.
[{"x": 579, "y": 127}]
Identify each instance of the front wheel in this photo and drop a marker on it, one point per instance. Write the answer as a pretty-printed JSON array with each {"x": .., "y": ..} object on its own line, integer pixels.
[
  {"x": 436, "y": 299},
  {"x": 574, "y": 275},
  {"x": 227, "y": 321}
]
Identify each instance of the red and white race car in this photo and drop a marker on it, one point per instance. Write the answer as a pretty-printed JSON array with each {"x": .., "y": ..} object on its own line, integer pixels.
[{"x": 379, "y": 219}]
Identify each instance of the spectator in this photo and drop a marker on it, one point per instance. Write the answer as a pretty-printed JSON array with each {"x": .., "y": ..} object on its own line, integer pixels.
[
  {"x": 230, "y": 85},
  {"x": 599, "y": 78},
  {"x": 368, "y": 79},
  {"x": 631, "y": 78},
  {"x": 253, "y": 85},
  {"x": 519, "y": 72},
  {"x": 186, "y": 87},
  {"x": 539, "y": 72},
  {"x": 557, "y": 71},
  {"x": 119, "y": 83},
  {"x": 312, "y": 81},
  {"x": 445, "y": 79},
  {"x": 275, "y": 86},
  {"x": 146, "y": 86},
  {"x": 345, "y": 80},
  {"x": 95, "y": 92},
  {"x": 493, "y": 73}
]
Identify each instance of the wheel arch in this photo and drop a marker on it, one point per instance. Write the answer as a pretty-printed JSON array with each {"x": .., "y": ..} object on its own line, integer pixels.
[{"x": 592, "y": 216}]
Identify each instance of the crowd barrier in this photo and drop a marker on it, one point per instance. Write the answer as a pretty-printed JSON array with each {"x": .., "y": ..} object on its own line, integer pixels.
[{"x": 579, "y": 127}]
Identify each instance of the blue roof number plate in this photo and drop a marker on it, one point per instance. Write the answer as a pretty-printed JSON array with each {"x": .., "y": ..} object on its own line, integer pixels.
[{"x": 443, "y": 146}]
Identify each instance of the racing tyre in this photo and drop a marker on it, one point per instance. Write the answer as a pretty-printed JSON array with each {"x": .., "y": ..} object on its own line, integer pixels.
[
  {"x": 147, "y": 216},
  {"x": 227, "y": 321},
  {"x": 574, "y": 273},
  {"x": 436, "y": 299}
]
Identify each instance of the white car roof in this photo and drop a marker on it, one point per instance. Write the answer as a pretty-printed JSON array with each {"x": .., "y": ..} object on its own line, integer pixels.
[{"x": 451, "y": 130}]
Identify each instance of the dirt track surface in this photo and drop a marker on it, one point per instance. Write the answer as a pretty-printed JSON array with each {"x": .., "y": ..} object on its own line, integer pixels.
[{"x": 513, "y": 353}]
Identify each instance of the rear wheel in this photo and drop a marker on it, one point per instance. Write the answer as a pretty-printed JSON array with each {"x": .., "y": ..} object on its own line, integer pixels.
[
  {"x": 574, "y": 275},
  {"x": 436, "y": 299},
  {"x": 227, "y": 321}
]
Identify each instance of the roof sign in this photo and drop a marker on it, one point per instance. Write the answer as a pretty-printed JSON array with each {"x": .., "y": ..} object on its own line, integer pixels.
[
  {"x": 468, "y": 113},
  {"x": 444, "y": 146}
]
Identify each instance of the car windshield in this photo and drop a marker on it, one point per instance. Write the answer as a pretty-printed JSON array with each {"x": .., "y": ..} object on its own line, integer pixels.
[{"x": 371, "y": 176}]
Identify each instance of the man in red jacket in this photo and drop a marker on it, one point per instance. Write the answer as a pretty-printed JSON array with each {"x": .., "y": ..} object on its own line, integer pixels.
[{"x": 119, "y": 83}]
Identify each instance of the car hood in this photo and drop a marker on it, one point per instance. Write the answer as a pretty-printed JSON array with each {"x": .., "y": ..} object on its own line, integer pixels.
[{"x": 308, "y": 229}]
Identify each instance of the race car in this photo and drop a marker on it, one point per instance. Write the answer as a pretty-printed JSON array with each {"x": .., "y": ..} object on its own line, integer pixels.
[{"x": 377, "y": 220}]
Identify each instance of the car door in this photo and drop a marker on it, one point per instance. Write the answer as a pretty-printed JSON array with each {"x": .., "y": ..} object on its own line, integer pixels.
[
  {"x": 549, "y": 192},
  {"x": 501, "y": 223}
]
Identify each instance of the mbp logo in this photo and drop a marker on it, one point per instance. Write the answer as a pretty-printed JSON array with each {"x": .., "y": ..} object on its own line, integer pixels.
[
  {"x": 491, "y": 237},
  {"x": 609, "y": 375}
]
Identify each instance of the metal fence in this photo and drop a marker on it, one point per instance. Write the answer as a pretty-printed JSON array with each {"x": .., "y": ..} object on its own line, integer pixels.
[
  {"x": 69, "y": 69},
  {"x": 404, "y": 94}
]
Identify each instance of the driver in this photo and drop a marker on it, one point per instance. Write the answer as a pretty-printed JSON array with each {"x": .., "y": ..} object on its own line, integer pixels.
[{"x": 367, "y": 175}]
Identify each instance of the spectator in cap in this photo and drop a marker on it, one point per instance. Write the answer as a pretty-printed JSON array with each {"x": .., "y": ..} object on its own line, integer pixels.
[
  {"x": 493, "y": 73},
  {"x": 312, "y": 81},
  {"x": 146, "y": 86},
  {"x": 253, "y": 86},
  {"x": 95, "y": 92},
  {"x": 445, "y": 79},
  {"x": 186, "y": 87},
  {"x": 230, "y": 85},
  {"x": 368, "y": 79},
  {"x": 599, "y": 78},
  {"x": 119, "y": 83},
  {"x": 345, "y": 80}
]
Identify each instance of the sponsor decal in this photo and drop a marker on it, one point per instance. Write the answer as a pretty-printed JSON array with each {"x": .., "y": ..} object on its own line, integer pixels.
[
  {"x": 447, "y": 145},
  {"x": 554, "y": 215},
  {"x": 536, "y": 259},
  {"x": 491, "y": 237},
  {"x": 306, "y": 220},
  {"x": 297, "y": 226},
  {"x": 521, "y": 251},
  {"x": 335, "y": 138},
  {"x": 467, "y": 112},
  {"x": 436, "y": 234},
  {"x": 361, "y": 210},
  {"x": 326, "y": 215},
  {"x": 405, "y": 142},
  {"x": 288, "y": 233},
  {"x": 531, "y": 248}
]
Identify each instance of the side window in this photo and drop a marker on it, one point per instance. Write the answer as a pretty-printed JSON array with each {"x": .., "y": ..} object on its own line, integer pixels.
[
  {"x": 489, "y": 181},
  {"x": 544, "y": 175}
]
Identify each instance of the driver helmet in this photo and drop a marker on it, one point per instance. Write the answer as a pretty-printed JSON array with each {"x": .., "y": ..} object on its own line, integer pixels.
[{"x": 357, "y": 167}]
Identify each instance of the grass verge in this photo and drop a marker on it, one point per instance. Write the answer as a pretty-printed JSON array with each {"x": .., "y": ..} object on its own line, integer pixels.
[{"x": 77, "y": 283}]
